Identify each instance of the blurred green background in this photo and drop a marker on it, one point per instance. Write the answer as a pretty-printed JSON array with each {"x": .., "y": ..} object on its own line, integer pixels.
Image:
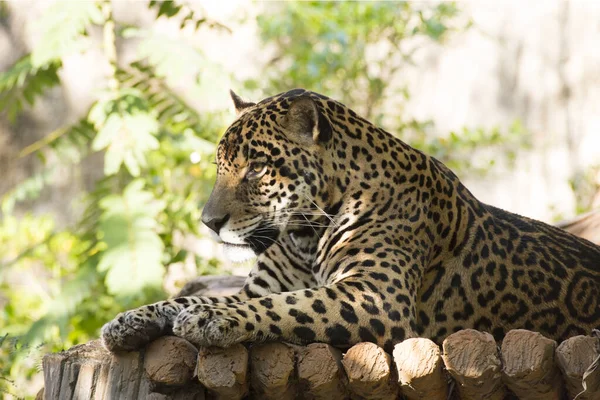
[{"x": 148, "y": 138}]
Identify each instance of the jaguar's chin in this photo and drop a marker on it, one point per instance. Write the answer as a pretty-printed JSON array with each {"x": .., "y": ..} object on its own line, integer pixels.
[{"x": 238, "y": 253}]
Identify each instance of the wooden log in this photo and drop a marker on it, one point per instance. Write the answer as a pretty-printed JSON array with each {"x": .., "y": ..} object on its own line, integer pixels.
[
  {"x": 370, "y": 373},
  {"x": 272, "y": 367},
  {"x": 574, "y": 357},
  {"x": 195, "y": 392},
  {"x": 321, "y": 373},
  {"x": 224, "y": 372},
  {"x": 585, "y": 225},
  {"x": 471, "y": 358},
  {"x": 419, "y": 367},
  {"x": 89, "y": 371},
  {"x": 212, "y": 286},
  {"x": 529, "y": 368},
  {"x": 85, "y": 382},
  {"x": 170, "y": 362}
]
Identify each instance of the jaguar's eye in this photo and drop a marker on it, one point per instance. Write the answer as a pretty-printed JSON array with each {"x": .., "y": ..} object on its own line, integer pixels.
[{"x": 256, "y": 170}]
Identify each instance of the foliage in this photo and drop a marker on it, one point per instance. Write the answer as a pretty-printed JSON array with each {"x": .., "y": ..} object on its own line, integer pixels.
[
  {"x": 473, "y": 152},
  {"x": 586, "y": 188},
  {"x": 361, "y": 64},
  {"x": 126, "y": 131},
  {"x": 354, "y": 62},
  {"x": 171, "y": 9},
  {"x": 134, "y": 251},
  {"x": 60, "y": 284},
  {"x": 63, "y": 30},
  {"x": 24, "y": 82}
]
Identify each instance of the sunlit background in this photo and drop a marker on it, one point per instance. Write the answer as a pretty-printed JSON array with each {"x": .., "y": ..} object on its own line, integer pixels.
[{"x": 110, "y": 111}]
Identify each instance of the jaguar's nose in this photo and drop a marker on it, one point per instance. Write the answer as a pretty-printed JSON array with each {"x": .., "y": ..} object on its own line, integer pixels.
[{"x": 215, "y": 223}]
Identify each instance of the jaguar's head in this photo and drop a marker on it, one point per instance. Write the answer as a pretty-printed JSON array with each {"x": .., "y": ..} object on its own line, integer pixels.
[{"x": 272, "y": 172}]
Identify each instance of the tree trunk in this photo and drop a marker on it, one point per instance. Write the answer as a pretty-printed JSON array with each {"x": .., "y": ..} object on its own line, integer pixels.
[{"x": 90, "y": 372}]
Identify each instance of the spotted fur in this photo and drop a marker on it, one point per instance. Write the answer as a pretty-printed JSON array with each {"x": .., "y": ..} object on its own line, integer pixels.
[{"x": 360, "y": 237}]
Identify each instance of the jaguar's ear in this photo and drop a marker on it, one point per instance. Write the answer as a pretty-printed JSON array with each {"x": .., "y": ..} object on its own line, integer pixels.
[
  {"x": 240, "y": 105},
  {"x": 304, "y": 119}
]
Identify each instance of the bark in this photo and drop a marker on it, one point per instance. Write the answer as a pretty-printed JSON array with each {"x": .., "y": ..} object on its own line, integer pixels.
[
  {"x": 224, "y": 372},
  {"x": 471, "y": 358},
  {"x": 320, "y": 372},
  {"x": 370, "y": 373},
  {"x": 575, "y": 356},
  {"x": 529, "y": 368},
  {"x": 419, "y": 366},
  {"x": 272, "y": 371}
]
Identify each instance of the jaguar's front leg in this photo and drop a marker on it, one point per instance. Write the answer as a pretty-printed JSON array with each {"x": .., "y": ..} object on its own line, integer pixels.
[
  {"x": 132, "y": 329},
  {"x": 341, "y": 314}
]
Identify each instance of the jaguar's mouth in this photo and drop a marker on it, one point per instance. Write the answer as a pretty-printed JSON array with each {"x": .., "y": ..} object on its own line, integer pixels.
[
  {"x": 242, "y": 246},
  {"x": 262, "y": 238},
  {"x": 236, "y": 246}
]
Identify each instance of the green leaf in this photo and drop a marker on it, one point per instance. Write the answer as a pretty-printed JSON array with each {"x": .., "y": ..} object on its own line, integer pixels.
[
  {"x": 174, "y": 114},
  {"x": 181, "y": 11},
  {"x": 172, "y": 59},
  {"x": 126, "y": 128},
  {"x": 64, "y": 305},
  {"x": 168, "y": 9},
  {"x": 62, "y": 28},
  {"x": 25, "y": 82},
  {"x": 132, "y": 259},
  {"x": 28, "y": 189}
]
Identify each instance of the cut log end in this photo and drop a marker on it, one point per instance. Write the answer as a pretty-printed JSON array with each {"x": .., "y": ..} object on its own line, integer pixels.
[
  {"x": 170, "y": 361},
  {"x": 574, "y": 357},
  {"x": 320, "y": 372},
  {"x": 370, "y": 373},
  {"x": 419, "y": 367},
  {"x": 529, "y": 369},
  {"x": 272, "y": 371},
  {"x": 224, "y": 372},
  {"x": 471, "y": 358}
]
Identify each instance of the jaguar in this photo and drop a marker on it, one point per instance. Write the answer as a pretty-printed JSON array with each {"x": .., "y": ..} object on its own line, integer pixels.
[{"x": 359, "y": 237}]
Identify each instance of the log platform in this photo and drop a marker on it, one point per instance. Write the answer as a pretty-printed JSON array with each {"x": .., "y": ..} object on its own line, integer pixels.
[{"x": 470, "y": 365}]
